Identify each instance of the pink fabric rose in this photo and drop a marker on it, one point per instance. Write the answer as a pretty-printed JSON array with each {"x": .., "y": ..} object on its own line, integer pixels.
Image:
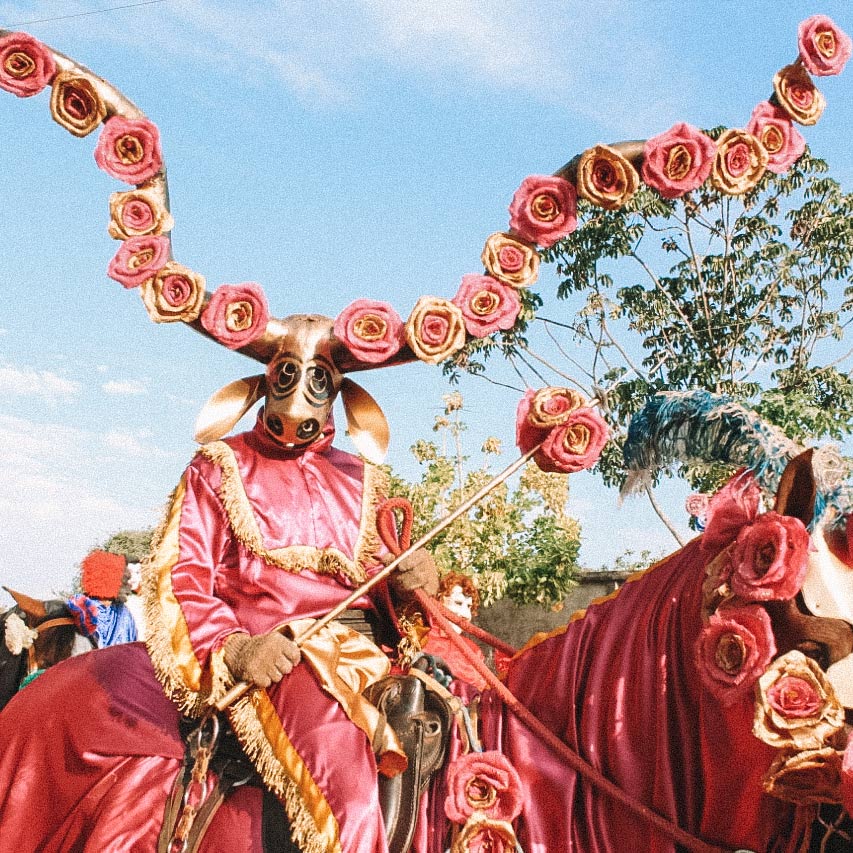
[
  {"x": 26, "y": 65},
  {"x": 824, "y": 48},
  {"x": 678, "y": 161},
  {"x": 773, "y": 128},
  {"x": 734, "y": 649},
  {"x": 526, "y": 434},
  {"x": 544, "y": 209},
  {"x": 139, "y": 259},
  {"x": 372, "y": 331},
  {"x": 486, "y": 304},
  {"x": 483, "y": 782},
  {"x": 128, "y": 149},
  {"x": 791, "y": 697},
  {"x": 539, "y": 411},
  {"x": 734, "y": 506},
  {"x": 770, "y": 558},
  {"x": 575, "y": 445},
  {"x": 697, "y": 505},
  {"x": 236, "y": 314}
]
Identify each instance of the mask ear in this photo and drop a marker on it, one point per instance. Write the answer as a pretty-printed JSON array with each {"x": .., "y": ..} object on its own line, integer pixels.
[
  {"x": 227, "y": 406},
  {"x": 366, "y": 424}
]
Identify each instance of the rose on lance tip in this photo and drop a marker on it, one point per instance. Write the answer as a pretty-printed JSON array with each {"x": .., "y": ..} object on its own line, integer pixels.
[
  {"x": 26, "y": 65},
  {"x": 773, "y": 128},
  {"x": 540, "y": 410},
  {"x": 175, "y": 293},
  {"x": 606, "y": 178},
  {"x": 372, "y": 331},
  {"x": 770, "y": 558},
  {"x": 138, "y": 259},
  {"x": 483, "y": 782},
  {"x": 733, "y": 649},
  {"x": 678, "y": 161},
  {"x": 435, "y": 329},
  {"x": 482, "y": 835},
  {"x": 806, "y": 777},
  {"x": 75, "y": 103},
  {"x": 128, "y": 149},
  {"x": 824, "y": 48},
  {"x": 236, "y": 314},
  {"x": 136, "y": 213},
  {"x": 739, "y": 164},
  {"x": 797, "y": 95},
  {"x": 510, "y": 260},
  {"x": 574, "y": 445},
  {"x": 486, "y": 304},
  {"x": 795, "y": 706},
  {"x": 544, "y": 209}
]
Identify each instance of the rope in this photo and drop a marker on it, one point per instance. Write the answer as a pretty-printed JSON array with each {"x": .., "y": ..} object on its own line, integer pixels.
[{"x": 81, "y": 14}]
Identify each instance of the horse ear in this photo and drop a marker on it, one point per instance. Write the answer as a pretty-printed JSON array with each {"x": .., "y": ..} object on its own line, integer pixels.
[
  {"x": 797, "y": 490},
  {"x": 34, "y": 608},
  {"x": 366, "y": 423},
  {"x": 227, "y": 406}
]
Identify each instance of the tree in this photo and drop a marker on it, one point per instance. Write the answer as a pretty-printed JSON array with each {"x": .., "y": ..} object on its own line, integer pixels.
[
  {"x": 133, "y": 544},
  {"x": 517, "y": 542}
]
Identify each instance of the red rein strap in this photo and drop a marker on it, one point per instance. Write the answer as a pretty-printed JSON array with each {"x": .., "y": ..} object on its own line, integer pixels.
[{"x": 386, "y": 523}]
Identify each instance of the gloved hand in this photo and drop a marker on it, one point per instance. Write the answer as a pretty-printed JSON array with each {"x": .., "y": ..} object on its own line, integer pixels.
[
  {"x": 417, "y": 571},
  {"x": 261, "y": 660}
]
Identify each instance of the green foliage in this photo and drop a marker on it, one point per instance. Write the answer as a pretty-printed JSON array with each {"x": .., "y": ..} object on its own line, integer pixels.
[
  {"x": 517, "y": 542},
  {"x": 133, "y": 544}
]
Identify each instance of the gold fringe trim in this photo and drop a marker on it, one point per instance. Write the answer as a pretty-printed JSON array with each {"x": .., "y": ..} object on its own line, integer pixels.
[
  {"x": 313, "y": 826},
  {"x": 297, "y": 558}
]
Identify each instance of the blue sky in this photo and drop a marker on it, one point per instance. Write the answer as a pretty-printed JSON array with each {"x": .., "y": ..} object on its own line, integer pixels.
[{"x": 330, "y": 150}]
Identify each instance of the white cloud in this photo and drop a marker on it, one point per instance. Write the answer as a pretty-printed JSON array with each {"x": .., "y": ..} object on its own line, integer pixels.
[
  {"x": 28, "y": 382},
  {"x": 130, "y": 444},
  {"x": 128, "y": 387}
]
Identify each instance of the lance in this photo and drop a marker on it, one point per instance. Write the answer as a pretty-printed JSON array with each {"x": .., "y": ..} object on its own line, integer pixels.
[{"x": 240, "y": 690}]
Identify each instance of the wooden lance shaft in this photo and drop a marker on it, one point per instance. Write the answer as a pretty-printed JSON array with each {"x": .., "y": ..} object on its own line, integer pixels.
[{"x": 240, "y": 690}]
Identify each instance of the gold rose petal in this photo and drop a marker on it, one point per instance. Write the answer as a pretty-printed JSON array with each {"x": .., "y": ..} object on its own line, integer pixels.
[{"x": 75, "y": 103}]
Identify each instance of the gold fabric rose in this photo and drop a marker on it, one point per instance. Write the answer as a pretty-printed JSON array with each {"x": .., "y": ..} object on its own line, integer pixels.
[
  {"x": 483, "y": 835},
  {"x": 805, "y": 778},
  {"x": 606, "y": 178},
  {"x": 511, "y": 260},
  {"x": 795, "y": 705},
  {"x": 75, "y": 103},
  {"x": 798, "y": 95},
  {"x": 435, "y": 329},
  {"x": 552, "y": 406},
  {"x": 175, "y": 293},
  {"x": 740, "y": 162},
  {"x": 137, "y": 213}
]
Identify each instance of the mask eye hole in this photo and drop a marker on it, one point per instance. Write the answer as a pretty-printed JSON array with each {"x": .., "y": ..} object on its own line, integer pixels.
[
  {"x": 319, "y": 383},
  {"x": 285, "y": 378}
]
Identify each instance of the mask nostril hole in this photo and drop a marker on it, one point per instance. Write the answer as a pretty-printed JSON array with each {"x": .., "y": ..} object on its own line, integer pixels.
[
  {"x": 307, "y": 429},
  {"x": 274, "y": 424}
]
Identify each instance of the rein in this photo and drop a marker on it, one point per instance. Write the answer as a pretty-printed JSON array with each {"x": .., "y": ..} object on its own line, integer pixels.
[{"x": 398, "y": 542}]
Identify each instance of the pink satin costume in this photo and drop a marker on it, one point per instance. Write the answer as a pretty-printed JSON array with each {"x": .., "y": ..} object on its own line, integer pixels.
[{"x": 254, "y": 537}]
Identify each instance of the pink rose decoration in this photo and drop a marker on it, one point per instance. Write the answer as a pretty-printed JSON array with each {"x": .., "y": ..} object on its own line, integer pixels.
[
  {"x": 237, "y": 314},
  {"x": 678, "y": 161},
  {"x": 770, "y": 558},
  {"x": 729, "y": 510},
  {"x": 773, "y": 128},
  {"x": 486, "y": 304},
  {"x": 847, "y": 777},
  {"x": 824, "y": 48},
  {"x": 697, "y": 505},
  {"x": 139, "y": 259},
  {"x": 792, "y": 697},
  {"x": 544, "y": 209},
  {"x": 26, "y": 65},
  {"x": 129, "y": 149},
  {"x": 526, "y": 434},
  {"x": 734, "y": 649},
  {"x": 575, "y": 445},
  {"x": 483, "y": 782},
  {"x": 372, "y": 331}
]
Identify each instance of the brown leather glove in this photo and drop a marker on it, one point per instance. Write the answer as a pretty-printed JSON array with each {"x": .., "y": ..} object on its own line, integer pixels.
[
  {"x": 417, "y": 571},
  {"x": 261, "y": 660}
]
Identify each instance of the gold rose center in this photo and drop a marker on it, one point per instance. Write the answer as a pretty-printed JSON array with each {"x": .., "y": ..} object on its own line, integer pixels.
[
  {"x": 678, "y": 163},
  {"x": 825, "y": 43},
  {"x": 485, "y": 302},
  {"x": 801, "y": 94},
  {"x": 239, "y": 316},
  {"x": 605, "y": 177},
  {"x": 140, "y": 259},
  {"x": 730, "y": 654},
  {"x": 577, "y": 439},
  {"x": 772, "y": 139},
  {"x": 370, "y": 327},
  {"x": 545, "y": 207},
  {"x": 19, "y": 64},
  {"x": 480, "y": 794},
  {"x": 511, "y": 258},
  {"x": 78, "y": 103},
  {"x": 129, "y": 149}
]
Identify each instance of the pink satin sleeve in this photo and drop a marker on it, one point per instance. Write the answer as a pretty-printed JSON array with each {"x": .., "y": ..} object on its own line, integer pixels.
[{"x": 205, "y": 548}]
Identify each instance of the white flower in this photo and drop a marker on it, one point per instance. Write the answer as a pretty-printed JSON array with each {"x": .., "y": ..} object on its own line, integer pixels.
[{"x": 18, "y": 635}]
